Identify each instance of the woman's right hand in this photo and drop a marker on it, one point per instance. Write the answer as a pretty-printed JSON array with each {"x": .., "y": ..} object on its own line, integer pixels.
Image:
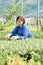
[{"x": 7, "y": 36}]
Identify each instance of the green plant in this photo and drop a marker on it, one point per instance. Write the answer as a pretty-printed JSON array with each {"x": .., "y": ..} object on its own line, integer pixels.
[
  {"x": 2, "y": 60},
  {"x": 13, "y": 11},
  {"x": 12, "y": 49}
]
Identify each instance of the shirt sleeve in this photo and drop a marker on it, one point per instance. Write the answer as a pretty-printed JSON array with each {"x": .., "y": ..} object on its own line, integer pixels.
[{"x": 15, "y": 31}]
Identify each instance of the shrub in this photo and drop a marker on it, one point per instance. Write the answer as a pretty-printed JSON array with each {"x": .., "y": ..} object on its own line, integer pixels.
[{"x": 14, "y": 49}]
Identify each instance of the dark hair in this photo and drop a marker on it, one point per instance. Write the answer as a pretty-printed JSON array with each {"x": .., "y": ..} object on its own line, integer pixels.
[{"x": 21, "y": 18}]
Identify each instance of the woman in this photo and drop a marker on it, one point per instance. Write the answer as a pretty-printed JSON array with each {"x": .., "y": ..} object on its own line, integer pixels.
[{"x": 21, "y": 31}]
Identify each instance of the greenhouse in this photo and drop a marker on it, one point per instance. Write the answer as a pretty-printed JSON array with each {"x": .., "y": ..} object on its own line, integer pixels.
[{"x": 21, "y": 32}]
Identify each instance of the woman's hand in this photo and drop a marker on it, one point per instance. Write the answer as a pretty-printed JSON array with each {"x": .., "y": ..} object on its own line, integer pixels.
[
  {"x": 7, "y": 36},
  {"x": 14, "y": 37}
]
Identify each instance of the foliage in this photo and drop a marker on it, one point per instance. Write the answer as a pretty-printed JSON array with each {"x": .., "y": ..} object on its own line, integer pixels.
[
  {"x": 11, "y": 52},
  {"x": 2, "y": 60},
  {"x": 38, "y": 35},
  {"x": 42, "y": 27},
  {"x": 14, "y": 10},
  {"x": 1, "y": 26}
]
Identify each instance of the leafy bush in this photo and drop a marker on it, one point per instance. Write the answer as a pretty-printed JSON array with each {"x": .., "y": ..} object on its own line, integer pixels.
[
  {"x": 1, "y": 26},
  {"x": 2, "y": 60},
  {"x": 11, "y": 51},
  {"x": 38, "y": 34},
  {"x": 13, "y": 11}
]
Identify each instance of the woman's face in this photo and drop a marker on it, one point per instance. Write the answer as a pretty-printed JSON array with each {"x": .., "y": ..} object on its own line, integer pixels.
[{"x": 19, "y": 23}]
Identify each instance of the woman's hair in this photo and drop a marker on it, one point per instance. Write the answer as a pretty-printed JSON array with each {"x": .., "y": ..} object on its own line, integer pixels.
[{"x": 21, "y": 18}]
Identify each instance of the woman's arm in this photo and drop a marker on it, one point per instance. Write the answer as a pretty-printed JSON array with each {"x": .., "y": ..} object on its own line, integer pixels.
[{"x": 13, "y": 33}]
